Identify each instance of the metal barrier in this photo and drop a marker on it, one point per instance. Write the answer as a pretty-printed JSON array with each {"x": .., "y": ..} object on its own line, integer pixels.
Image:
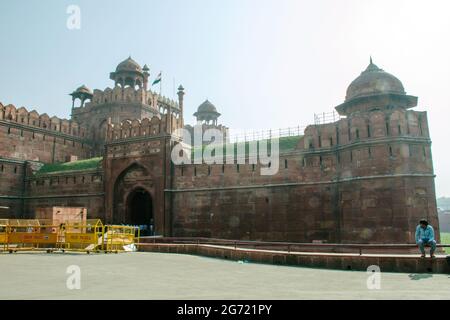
[
  {"x": 29, "y": 234},
  {"x": 121, "y": 238},
  {"x": 3, "y": 234},
  {"x": 85, "y": 236}
]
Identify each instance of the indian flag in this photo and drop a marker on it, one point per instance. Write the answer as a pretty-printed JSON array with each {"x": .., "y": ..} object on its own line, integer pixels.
[{"x": 157, "y": 80}]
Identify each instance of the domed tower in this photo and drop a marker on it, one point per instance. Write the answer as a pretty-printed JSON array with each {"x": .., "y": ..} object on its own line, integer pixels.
[
  {"x": 130, "y": 74},
  {"x": 129, "y": 99},
  {"x": 207, "y": 113},
  {"x": 383, "y": 149},
  {"x": 207, "y": 118},
  {"x": 375, "y": 89}
]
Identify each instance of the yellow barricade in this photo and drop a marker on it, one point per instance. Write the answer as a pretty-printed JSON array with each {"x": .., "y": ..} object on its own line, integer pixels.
[
  {"x": 87, "y": 236},
  {"x": 121, "y": 238},
  {"x": 3, "y": 234},
  {"x": 82, "y": 236},
  {"x": 31, "y": 234}
]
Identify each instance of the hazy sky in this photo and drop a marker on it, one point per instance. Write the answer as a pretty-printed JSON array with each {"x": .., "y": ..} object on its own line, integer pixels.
[{"x": 264, "y": 64}]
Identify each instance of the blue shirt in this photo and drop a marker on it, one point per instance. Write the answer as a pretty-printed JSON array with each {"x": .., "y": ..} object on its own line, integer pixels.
[{"x": 427, "y": 233}]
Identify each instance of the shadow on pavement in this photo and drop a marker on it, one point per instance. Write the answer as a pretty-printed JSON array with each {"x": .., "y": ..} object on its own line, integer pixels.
[{"x": 419, "y": 276}]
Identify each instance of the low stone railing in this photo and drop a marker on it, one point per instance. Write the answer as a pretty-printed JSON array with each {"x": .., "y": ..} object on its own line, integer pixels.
[
  {"x": 293, "y": 246},
  {"x": 320, "y": 255}
]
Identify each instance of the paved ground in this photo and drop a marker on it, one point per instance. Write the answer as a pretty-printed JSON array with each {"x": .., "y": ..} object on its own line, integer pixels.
[{"x": 172, "y": 276}]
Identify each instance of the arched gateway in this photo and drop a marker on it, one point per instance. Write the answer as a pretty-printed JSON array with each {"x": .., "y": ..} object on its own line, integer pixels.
[{"x": 133, "y": 199}]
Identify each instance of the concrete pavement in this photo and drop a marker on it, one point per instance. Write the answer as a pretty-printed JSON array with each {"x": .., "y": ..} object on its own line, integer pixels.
[{"x": 143, "y": 275}]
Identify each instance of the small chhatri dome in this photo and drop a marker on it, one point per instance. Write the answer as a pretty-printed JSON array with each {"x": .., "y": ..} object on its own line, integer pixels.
[
  {"x": 373, "y": 81},
  {"x": 83, "y": 89},
  {"x": 207, "y": 112},
  {"x": 129, "y": 65},
  {"x": 207, "y": 107},
  {"x": 82, "y": 93},
  {"x": 129, "y": 73}
]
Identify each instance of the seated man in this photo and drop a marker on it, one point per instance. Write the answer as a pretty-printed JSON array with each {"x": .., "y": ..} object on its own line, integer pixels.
[{"x": 425, "y": 236}]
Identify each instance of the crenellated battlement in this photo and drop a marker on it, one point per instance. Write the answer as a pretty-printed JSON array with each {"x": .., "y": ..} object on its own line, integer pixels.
[
  {"x": 33, "y": 119},
  {"x": 134, "y": 128},
  {"x": 127, "y": 95},
  {"x": 118, "y": 94},
  {"x": 167, "y": 101},
  {"x": 141, "y": 128},
  {"x": 398, "y": 122}
]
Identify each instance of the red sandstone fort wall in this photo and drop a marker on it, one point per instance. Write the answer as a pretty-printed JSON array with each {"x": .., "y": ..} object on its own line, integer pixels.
[
  {"x": 11, "y": 187},
  {"x": 29, "y": 136},
  {"x": 372, "y": 211},
  {"x": 366, "y": 178},
  {"x": 73, "y": 189}
]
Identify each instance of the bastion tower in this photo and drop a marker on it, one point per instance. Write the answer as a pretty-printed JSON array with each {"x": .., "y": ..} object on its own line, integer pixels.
[{"x": 130, "y": 99}]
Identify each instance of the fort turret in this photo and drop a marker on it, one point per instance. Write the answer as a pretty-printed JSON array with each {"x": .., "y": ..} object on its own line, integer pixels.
[
  {"x": 375, "y": 89},
  {"x": 129, "y": 99}
]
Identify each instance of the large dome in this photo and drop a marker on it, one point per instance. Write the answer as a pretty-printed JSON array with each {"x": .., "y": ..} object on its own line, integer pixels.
[
  {"x": 129, "y": 65},
  {"x": 374, "y": 81}
]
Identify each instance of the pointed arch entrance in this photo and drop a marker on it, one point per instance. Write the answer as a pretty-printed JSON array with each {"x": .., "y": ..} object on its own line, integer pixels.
[
  {"x": 139, "y": 210},
  {"x": 134, "y": 200}
]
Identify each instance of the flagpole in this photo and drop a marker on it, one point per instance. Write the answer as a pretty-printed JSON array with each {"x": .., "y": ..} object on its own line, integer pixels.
[{"x": 158, "y": 79}]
